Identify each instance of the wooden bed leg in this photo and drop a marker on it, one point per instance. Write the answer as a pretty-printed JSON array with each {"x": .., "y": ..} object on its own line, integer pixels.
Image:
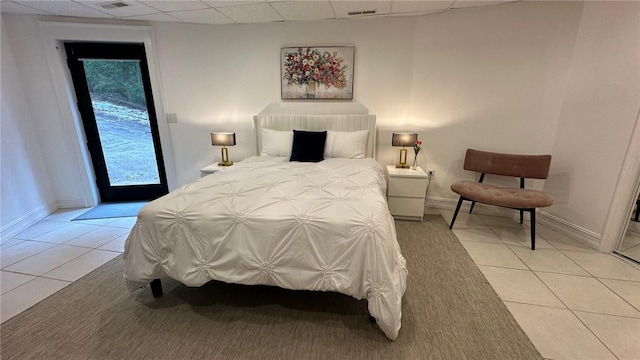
[{"x": 156, "y": 288}]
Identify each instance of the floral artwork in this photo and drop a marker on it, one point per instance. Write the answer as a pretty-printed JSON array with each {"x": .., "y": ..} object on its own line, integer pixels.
[{"x": 317, "y": 72}]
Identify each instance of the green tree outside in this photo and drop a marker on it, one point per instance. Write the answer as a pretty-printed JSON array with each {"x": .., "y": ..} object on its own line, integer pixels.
[{"x": 116, "y": 79}]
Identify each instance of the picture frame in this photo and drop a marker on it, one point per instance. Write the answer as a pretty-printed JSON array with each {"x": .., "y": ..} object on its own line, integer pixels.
[{"x": 317, "y": 72}]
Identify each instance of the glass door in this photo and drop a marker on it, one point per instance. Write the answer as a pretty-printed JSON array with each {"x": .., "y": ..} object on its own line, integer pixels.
[{"x": 114, "y": 96}]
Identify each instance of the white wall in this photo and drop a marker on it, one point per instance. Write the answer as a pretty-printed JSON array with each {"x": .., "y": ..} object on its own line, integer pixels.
[
  {"x": 24, "y": 183},
  {"x": 598, "y": 114},
  {"x": 501, "y": 78}
]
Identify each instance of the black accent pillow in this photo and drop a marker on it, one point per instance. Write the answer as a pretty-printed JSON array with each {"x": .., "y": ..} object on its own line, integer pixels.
[{"x": 308, "y": 146}]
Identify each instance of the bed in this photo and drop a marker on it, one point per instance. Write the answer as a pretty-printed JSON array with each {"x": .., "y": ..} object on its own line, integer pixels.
[{"x": 321, "y": 226}]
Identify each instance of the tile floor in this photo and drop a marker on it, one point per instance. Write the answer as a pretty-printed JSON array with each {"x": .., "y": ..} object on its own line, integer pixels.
[
  {"x": 54, "y": 253},
  {"x": 572, "y": 301}
]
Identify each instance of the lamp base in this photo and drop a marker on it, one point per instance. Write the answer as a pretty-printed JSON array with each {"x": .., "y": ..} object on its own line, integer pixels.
[
  {"x": 402, "y": 166},
  {"x": 225, "y": 163}
]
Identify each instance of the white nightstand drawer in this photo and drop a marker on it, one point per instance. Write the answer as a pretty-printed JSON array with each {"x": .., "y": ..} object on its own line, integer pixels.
[
  {"x": 401, "y": 206},
  {"x": 407, "y": 187}
]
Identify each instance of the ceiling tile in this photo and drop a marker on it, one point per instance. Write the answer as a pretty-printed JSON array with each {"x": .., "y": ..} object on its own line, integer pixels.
[
  {"x": 253, "y": 13},
  {"x": 176, "y": 5},
  {"x": 223, "y": 3},
  {"x": 160, "y": 17},
  {"x": 304, "y": 10},
  {"x": 16, "y": 8},
  {"x": 343, "y": 8},
  {"x": 419, "y": 6},
  {"x": 67, "y": 8},
  {"x": 134, "y": 8},
  {"x": 206, "y": 16}
]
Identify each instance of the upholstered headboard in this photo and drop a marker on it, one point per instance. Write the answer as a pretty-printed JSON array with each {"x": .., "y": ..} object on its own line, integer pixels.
[{"x": 352, "y": 122}]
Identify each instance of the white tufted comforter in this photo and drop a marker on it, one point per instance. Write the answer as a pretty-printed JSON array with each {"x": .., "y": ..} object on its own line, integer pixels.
[{"x": 310, "y": 226}]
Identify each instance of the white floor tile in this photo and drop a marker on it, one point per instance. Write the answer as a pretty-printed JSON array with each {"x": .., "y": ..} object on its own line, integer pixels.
[
  {"x": 519, "y": 237},
  {"x": 47, "y": 260},
  {"x": 22, "y": 251},
  {"x": 115, "y": 245},
  {"x": 603, "y": 265},
  {"x": 126, "y": 223},
  {"x": 10, "y": 242},
  {"x": 100, "y": 222},
  {"x": 520, "y": 286},
  {"x": 587, "y": 294},
  {"x": 67, "y": 214},
  {"x": 464, "y": 220},
  {"x": 628, "y": 290},
  {"x": 621, "y": 335},
  {"x": 81, "y": 266},
  {"x": 66, "y": 233},
  {"x": 27, "y": 295},
  {"x": 477, "y": 234},
  {"x": 493, "y": 255},
  {"x": 549, "y": 260},
  {"x": 558, "y": 333},
  {"x": 561, "y": 241},
  {"x": 10, "y": 281},
  {"x": 97, "y": 237},
  {"x": 39, "y": 229}
]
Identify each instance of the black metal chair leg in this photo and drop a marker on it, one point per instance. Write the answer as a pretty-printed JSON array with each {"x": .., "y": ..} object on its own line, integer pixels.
[
  {"x": 533, "y": 228},
  {"x": 521, "y": 216},
  {"x": 473, "y": 203},
  {"x": 455, "y": 214},
  {"x": 156, "y": 288}
]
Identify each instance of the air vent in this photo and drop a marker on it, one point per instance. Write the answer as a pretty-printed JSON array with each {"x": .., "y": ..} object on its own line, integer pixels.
[
  {"x": 364, "y": 12},
  {"x": 114, "y": 5}
]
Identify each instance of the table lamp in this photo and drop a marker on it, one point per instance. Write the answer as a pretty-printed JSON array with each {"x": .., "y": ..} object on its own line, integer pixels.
[
  {"x": 403, "y": 139},
  {"x": 224, "y": 140}
]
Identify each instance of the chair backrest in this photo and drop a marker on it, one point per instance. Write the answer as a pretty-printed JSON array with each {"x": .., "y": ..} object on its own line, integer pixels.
[{"x": 523, "y": 166}]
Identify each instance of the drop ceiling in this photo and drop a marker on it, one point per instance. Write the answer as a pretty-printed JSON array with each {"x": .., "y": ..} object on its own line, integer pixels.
[{"x": 233, "y": 12}]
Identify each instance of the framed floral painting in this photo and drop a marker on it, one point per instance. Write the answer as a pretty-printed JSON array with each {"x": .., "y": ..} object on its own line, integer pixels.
[{"x": 317, "y": 72}]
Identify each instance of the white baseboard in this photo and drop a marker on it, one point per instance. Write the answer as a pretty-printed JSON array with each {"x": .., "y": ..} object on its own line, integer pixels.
[
  {"x": 19, "y": 225},
  {"x": 562, "y": 226},
  {"x": 571, "y": 230}
]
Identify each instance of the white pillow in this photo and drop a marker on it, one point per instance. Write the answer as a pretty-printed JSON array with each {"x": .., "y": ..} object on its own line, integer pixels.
[
  {"x": 276, "y": 143},
  {"x": 346, "y": 144}
]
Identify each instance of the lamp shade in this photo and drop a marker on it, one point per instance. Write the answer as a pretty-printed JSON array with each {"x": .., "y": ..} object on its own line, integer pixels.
[
  {"x": 404, "y": 139},
  {"x": 223, "y": 139}
]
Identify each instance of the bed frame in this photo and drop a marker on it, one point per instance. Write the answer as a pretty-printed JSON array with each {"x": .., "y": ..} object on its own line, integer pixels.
[
  {"x": 351, "y": 122},
  {"x": 283, "y": 122}
]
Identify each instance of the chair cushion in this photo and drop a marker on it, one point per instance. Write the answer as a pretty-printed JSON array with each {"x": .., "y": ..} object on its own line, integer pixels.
[{"x": 502, "y": 196}]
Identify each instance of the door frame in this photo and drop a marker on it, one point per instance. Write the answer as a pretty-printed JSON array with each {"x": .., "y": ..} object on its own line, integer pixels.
[
  {"x": 76, "y": 53},
  {"x": 626, "y": 189},
  {"x": 54, "y": 34}
]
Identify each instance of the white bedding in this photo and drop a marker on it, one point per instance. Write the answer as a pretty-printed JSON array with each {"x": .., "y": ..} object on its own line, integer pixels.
[{"x": 309, "y": 226}]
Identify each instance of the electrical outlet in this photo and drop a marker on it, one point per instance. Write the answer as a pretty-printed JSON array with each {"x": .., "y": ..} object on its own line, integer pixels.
[
  {"x": 172, "y": 118},
  {"x": 431, "y": 173}
]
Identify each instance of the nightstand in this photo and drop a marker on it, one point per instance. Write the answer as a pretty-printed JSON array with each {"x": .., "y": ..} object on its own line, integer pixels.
[
  {"x": 406, "y": 191},
  {"x": 213, "y": 168}
]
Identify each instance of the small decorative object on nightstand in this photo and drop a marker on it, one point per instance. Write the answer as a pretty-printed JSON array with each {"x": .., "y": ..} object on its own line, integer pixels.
[
  {"x": 406, "y": 192},
  {"x": 224, "y": 140},
  {"x": 208, "y": 170},
  {"x": 403, "y": 139}
]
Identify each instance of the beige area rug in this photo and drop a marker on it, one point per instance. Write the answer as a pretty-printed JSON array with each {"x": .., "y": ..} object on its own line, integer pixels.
[{"x": 449, "y": 312}]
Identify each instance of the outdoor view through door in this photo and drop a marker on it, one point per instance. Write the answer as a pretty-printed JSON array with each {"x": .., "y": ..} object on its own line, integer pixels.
[{"x": 114, "y": 96}]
